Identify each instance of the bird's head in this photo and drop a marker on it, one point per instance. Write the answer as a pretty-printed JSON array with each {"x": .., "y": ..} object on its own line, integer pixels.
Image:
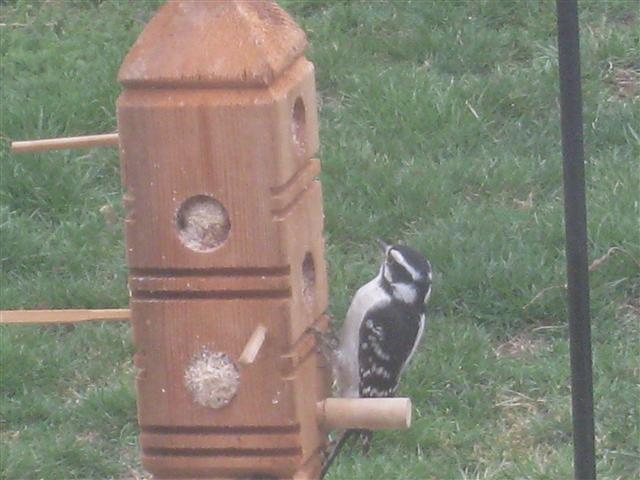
[{"x": 406, "y": 273}]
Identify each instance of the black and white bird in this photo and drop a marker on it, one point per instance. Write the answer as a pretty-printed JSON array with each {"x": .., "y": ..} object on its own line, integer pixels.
[{"x": 383, "y": 328}]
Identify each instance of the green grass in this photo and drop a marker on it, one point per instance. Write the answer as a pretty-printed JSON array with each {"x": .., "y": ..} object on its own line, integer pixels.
[{"x": 439, "y": 128}]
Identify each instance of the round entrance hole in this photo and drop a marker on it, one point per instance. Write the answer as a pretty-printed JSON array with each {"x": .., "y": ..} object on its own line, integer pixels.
[
  {"x": 212, "y": 378},
  {"x": 298, "y": 127},
  {"x": 203, "y": 223},
  {"x": 308, "y": 281}
]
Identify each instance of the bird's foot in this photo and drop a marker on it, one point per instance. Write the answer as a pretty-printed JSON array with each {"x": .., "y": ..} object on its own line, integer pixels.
[{"x": 326, "y": 340}]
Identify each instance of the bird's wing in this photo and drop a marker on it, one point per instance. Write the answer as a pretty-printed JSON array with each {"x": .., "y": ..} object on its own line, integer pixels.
[{"x": 387, "y": 338}]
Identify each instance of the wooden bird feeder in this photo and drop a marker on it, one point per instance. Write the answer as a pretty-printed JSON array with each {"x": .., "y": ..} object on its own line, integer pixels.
[{"x": 218, "y": 132}]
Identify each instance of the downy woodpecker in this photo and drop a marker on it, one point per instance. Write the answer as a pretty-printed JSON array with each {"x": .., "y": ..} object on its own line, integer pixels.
[{"x": 383, "y": 328}]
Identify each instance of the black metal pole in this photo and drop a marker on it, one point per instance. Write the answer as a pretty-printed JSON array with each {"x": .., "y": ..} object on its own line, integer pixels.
[{"x": 575, "y": 212}]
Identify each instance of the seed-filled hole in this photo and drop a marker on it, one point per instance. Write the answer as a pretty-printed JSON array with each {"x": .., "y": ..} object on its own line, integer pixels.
[
  {"x": 203, "y": 223},
  {"x": 298, "y": 127},
  {"x": 308, "y": 281},
  {"x": 212, "y": 378}
]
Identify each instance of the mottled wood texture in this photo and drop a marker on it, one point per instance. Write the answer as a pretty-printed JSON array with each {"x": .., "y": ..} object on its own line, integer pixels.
[{"x": 219, "y": 104}]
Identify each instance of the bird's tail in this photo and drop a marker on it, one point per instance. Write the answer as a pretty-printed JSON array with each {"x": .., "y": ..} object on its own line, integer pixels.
[{"x": 339, "y": 445}]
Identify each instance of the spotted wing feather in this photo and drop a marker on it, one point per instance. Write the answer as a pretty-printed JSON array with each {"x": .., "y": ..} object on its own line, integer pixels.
[{"x": 387, "y": 339}]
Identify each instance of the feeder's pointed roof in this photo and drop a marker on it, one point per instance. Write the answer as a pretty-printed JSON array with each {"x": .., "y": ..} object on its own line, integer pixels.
[{"x": 213, "y": 43}]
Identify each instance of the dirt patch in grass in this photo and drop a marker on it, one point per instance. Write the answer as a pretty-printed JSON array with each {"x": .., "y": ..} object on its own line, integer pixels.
[
  {"x": 625, "y": 82},
  {"x": 89, "y": 437},
  {"x": 628, "y": 317},
  {"x": 632, "y": 308},
  {"x": 519, "y": 413},
  {"x": 9, "y": 436},
  {"x": 131, "y": 457},
  {"x": 137, "y": 475},
  {"x": 521, "y": 345}
]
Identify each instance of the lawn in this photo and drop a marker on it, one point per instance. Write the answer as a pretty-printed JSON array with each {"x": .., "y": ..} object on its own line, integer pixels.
[{"x": 439, "y": 128}]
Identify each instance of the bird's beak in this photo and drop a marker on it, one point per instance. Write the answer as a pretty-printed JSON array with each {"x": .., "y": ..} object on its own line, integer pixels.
[{"x": 384, "y": 245}]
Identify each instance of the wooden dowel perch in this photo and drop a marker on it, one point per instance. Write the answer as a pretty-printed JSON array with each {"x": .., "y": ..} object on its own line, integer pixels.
[
  {"x": 36, "y": 317},
  {"x": 364, "y": 413},
  {"x": 253, "y": 346},
  {"x": 64, "y": 143}
]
